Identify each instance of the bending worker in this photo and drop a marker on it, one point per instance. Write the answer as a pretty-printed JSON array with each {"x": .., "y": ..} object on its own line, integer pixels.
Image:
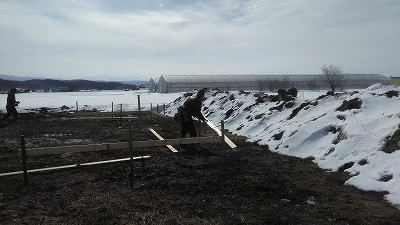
[{"x": 192, "y": 108}]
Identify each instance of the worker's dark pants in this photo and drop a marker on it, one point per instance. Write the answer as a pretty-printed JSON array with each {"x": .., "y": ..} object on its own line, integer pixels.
[
  {"x": 10, "y": 111},
  {"x": 188, "y": 127}
]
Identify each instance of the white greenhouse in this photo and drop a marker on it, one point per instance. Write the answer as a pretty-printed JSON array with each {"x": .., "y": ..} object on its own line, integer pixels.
[
  {"x": 153, "y": 84},
  {"x": 181, "y": 83}
]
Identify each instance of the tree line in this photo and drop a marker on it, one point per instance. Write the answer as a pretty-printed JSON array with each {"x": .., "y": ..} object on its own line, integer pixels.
[
  {"x": 331, "y": 76},
  {"x": 46, "y": 85}
]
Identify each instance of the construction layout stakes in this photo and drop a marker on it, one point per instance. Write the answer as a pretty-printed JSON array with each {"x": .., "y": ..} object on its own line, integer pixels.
[{"x": 110, "y": 146}]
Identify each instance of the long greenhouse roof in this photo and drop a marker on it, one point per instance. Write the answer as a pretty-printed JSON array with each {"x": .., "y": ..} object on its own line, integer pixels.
[{"x": 252, "y": 78}]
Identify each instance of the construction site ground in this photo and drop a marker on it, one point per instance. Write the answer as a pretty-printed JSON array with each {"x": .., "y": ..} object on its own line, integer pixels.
[{"x": 202, "y": 184}]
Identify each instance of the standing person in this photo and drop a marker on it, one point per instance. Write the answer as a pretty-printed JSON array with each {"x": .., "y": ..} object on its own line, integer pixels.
[
  {"x": 192, "y": 108},
  {"x": 11, "y": 103}
]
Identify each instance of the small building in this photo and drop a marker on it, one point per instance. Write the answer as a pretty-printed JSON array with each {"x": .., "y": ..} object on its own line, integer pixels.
[
  {"x": 181, "y": 83},
  {"x": 395, "y": 81}
]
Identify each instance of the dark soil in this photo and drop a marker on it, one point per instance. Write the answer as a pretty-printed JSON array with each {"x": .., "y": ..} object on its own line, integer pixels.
[{"x": 207, "y": 184}]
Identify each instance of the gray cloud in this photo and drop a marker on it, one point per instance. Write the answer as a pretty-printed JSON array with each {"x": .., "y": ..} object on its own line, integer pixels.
[{"x": 140, "y": 39}]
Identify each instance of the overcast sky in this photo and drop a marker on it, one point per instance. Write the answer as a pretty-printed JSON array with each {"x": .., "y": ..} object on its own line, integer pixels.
[{"x": 140, "y": 39}]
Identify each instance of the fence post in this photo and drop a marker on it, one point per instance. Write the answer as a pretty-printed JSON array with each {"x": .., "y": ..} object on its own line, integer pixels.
[
  {"x": 200, "y": 126},
  {"x": 76, "y": 106},
  {"x": 120, "y": 115},
  {"x": 157, "y": 114},
  {"x": 112, "y": 110},
  {"x": 24, "y": 166},
  {"x": 222, "y": 131},
  {"x": 138, "y": 102},
  {"x": 164, "y": 115},
  {"x": 131, "y": 154},
  {"x": 140, "y": 126},
  {"x": 151, "y": 112}
]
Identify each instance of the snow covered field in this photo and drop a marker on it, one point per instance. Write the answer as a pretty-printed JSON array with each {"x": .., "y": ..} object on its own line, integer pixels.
[
  {"x": 100, "y": 100},
  {"x": 350, "y": 140}
]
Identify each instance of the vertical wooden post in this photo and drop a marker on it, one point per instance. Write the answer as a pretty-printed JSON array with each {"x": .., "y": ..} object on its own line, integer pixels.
[
  {"x": 200, "y": 126},
  {"x": 157, "y": 114},
  {"x": 164, "y": 109},
  {"x": 140, "y": 125},
  {"x": 24, "y": 166},
  {"x": 120, "y": 114},
  {"x": 76, "y": 105},
  {"x": 164, "y": 115},
  {"x": 138, "y": 102},
  {"x": 131, "y": 155},
  {"x": 112, "y": 110},
  {"x": 222, "y": 131},
  {"x": 151, "y": 112}
]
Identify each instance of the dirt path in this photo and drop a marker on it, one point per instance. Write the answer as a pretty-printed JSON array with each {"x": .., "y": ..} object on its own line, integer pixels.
[{"x": 208, "y": 184}]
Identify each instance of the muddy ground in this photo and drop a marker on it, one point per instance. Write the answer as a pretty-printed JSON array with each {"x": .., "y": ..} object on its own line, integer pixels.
[{"x": 207, "y": 184}]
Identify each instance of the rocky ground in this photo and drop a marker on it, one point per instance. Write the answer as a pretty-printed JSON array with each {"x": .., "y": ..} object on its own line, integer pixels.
[{"x": 207, "y": 184}]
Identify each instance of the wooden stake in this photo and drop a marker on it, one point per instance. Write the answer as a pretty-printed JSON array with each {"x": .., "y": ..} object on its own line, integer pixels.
[
  {"x": 140, "y": 126},
  {"x": 120, "y": 114},
  {"x": 157, "y": 114},
  {"x": 200, "y": 126},
  {"x": 222, "y": 131},
  {"x": 164, "y": 108},
  {"x": 164, "y": 115},
  {"x": 151, "y": 112},
  {"x": 138, "y": 102},
  {"x": 131, "y": 155},
  {"x": 24, "y": 166}
]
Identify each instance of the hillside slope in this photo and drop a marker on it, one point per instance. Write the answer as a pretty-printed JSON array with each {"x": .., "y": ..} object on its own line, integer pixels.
[{"x": 357, "y": 132}]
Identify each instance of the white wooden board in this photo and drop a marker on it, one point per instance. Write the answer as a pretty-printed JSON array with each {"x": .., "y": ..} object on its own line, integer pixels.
[
  {"x": 75, "y": 165},
  {"x": 218, "y": 131}
]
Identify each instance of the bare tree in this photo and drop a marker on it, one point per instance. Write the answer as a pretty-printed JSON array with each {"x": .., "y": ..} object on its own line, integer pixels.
[
  {"x": 273, "y": 84},
  {"x": 285, "y": 82},
  {"x": 312, "y": 84},
  {"x": 333, "y": 75},
  {"x": 262, "y": 84}
]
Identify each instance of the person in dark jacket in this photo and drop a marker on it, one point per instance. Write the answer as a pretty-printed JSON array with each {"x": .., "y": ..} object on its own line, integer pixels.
[
  {"x": 192, "y": 108},
  {"x": 11, "y": 103}
]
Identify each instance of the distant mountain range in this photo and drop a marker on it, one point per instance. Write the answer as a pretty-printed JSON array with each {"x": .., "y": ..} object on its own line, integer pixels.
[{"x": 43, "y": 84}]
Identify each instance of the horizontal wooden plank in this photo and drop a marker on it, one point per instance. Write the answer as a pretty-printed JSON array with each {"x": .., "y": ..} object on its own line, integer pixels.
[
  {"x": 76, "y": 148},
  {"x": 99, "y": 117},
  {"x": 180, "y": 141},
  {"x": 120, "y": 145},
  {"x": 75, "y": 165}
]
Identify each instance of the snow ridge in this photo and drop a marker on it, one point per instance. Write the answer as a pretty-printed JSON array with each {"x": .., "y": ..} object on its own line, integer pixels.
[{"x": 351, "y": 140}]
